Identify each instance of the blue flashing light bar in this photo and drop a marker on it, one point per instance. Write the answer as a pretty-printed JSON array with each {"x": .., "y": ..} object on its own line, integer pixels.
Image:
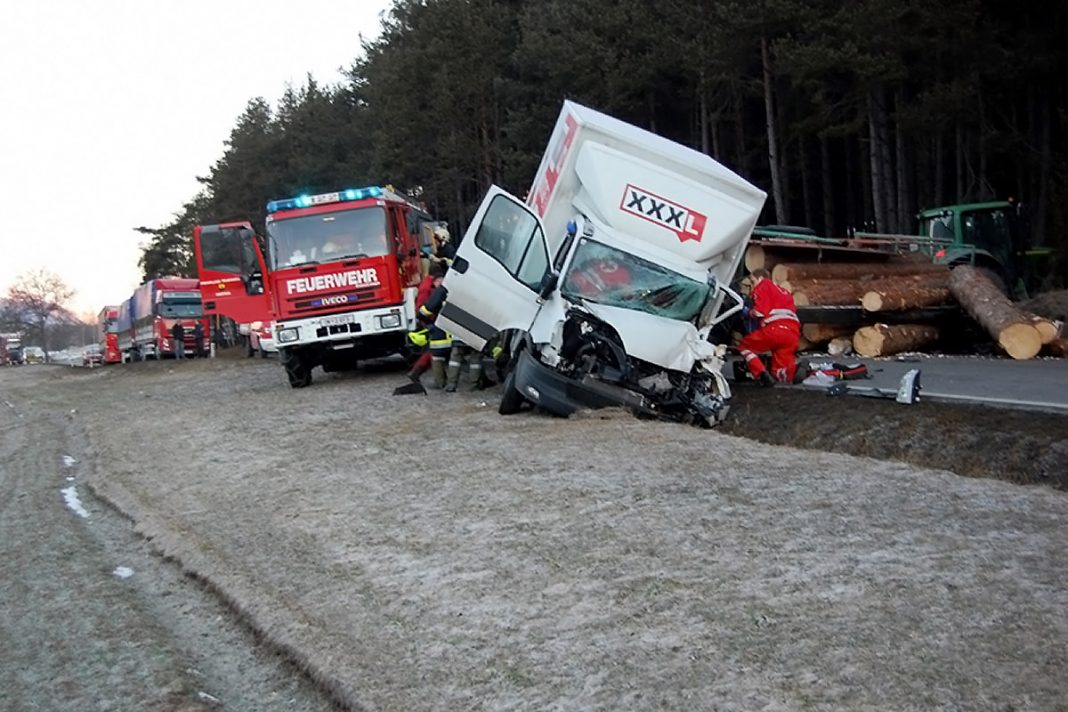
[{"x": 306, "y": 201}]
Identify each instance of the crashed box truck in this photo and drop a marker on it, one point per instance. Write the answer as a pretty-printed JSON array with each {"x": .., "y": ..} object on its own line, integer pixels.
[{"x": 605, "y": 283}]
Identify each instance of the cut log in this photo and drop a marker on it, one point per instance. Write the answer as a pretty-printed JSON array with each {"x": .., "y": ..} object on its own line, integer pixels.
[
  {"x": 885, "y": 340},
  {"x": 821, "y": 333},
  {"x": 826, "y": 291},
  {"x": 896, "y": 297},
  {"x": 981, "y": 298},
  {"x": 754, "y": 258},
  {"x": 1047, "y": 329},
  {"x": 840, "y": 346},
  {"x": 792, "y": 271}
]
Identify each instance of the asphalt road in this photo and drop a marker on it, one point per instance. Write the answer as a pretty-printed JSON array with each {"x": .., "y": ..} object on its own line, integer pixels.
[{"x": 1038, "y": 384}]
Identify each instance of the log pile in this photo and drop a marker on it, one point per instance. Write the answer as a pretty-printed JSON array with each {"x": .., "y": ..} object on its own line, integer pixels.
[{"x": 884, "y": 290}]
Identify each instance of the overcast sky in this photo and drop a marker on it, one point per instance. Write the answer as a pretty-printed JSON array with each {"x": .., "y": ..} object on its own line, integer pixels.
[{"x": 112, "y": 108}]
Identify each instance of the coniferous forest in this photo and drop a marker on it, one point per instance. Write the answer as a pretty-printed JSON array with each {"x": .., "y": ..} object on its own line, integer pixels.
[{"x": 849, "y": 113}]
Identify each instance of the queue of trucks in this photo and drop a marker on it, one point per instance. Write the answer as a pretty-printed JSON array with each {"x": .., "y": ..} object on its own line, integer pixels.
[{"x": 143, "y": 324}]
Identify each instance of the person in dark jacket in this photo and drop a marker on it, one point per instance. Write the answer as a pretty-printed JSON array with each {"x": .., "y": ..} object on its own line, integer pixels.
[
  {"x": 198, "y": 334},
  {"x": 178, "y": 336}
]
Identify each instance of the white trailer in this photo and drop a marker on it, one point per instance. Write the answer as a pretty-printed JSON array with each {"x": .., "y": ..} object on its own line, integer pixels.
[{"x": 607, "y": 280}]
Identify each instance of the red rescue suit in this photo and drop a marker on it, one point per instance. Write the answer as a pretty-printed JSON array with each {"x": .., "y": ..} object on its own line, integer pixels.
[{"x": 779, "y": 332}]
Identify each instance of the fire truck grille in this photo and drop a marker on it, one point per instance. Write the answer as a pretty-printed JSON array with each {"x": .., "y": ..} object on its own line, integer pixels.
[
  {"x": 323, "y": 331},
  {"x": 342, "y": 300}
]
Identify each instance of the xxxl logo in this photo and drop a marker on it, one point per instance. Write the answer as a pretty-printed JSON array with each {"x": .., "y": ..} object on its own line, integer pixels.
[{"x": 688, "y": 224}]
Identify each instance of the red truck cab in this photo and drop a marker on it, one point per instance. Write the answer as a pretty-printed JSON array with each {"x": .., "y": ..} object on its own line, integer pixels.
[{"x": 337, "y": 273}]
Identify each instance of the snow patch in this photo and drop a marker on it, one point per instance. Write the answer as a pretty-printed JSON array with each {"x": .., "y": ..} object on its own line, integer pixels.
[
  {"x": 70, "y": 495},
  {"x": 123, "y": 572}
]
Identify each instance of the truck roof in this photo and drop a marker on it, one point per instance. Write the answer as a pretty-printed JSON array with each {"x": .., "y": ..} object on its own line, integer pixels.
[
  {"x": 658, "y": 195},
  {"x": 966, "y": 207}
]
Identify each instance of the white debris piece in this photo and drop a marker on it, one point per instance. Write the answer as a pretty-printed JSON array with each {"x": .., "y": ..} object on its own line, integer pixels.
[
  {"x": 69, "y": 461},
  {"x": 70, "y": 495},
  {"x": 123, "y": 572}
]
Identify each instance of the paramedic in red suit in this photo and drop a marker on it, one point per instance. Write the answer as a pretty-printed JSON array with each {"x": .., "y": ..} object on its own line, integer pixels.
[
  {"x": 779, "y": 331},
  {"x": 602, "y": 274}
]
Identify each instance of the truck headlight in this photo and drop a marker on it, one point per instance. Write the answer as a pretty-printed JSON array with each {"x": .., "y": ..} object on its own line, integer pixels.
[
  {"x": 389, "y": 321},
  {"x": 288, "y": 335}
]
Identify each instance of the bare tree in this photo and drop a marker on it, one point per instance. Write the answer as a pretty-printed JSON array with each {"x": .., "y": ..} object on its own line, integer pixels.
[{"x": 36, "y": 300}]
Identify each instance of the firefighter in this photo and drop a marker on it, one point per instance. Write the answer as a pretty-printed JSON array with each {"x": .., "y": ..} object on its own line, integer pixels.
[
  {"x": 437, "y": 339},
  {"x": 778, "y": 331},
  {"x": 460, "y": 354},
  {"x": 420, "y": 338},
  {"x": 443, "y": 252}
]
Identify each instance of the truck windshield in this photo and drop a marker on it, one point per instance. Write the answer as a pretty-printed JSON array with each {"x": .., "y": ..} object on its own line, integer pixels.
[
  {"x": 328, "y": 237},
  {"x": 605, "y": 275},
  {"x": 184, "y": 307}
]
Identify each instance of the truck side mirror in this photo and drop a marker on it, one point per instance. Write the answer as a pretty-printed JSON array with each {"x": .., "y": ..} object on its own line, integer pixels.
[{"x": 548, "y": 284}]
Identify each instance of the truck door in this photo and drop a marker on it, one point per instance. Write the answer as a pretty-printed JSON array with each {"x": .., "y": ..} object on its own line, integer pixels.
[
  {"x": 500, "y": 267},
  {"x": 232, "y": 272}
]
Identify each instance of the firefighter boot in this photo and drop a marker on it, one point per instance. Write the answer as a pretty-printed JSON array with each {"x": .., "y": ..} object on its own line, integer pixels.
[
  {"x": 452, "y": 376},
  {"x": 437, "y": 367},
  {"x": 766, "y": 379},
  {"x": 417, "y": 370}
]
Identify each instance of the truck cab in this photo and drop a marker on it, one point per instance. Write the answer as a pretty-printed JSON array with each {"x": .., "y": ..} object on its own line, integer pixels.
[{"x": 605, "y": 282}]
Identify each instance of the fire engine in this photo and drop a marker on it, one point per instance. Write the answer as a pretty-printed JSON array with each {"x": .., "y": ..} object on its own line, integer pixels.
[
  {"x": 145, "y": 321},
  {"x": 336, "y": 272},
  {"x": 107, "y": 334}
]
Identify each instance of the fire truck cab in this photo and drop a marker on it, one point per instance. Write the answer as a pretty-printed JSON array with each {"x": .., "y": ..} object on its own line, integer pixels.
[{"x": 335, "y": 274}]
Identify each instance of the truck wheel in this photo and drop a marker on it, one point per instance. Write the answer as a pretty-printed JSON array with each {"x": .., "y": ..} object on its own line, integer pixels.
[
  {"x": 297, "y": 370},
  {"x": 511, "y": 398}
]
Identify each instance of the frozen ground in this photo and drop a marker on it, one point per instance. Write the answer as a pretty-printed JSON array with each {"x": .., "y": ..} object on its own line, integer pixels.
[{"x": 419, "y": 553}]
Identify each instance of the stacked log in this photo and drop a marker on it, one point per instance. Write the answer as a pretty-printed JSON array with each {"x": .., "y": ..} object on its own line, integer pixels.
[
  {"x": 853, "y": 271},
  {"x": 822, "y": 333},
  {"x": 905, "y": 291},
  {"x": 1012, "y": 328},
  {"x": 885, "y": 340}
]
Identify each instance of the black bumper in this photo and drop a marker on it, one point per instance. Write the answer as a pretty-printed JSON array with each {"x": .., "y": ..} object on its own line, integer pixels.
[{"x": 547, "y": 389}]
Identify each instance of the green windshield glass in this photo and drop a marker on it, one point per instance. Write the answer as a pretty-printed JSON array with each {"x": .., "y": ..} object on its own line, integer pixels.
[{"x": 605, "y": 275}]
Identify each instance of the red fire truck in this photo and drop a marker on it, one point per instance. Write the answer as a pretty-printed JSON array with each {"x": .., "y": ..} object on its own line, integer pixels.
[
  {"x": 145, "y": 320},
  {"x": 107, "y": 334},
  {"x": 336, "y": 272}
]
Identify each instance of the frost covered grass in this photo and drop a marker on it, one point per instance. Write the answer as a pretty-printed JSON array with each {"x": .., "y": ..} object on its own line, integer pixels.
[{"x": 425, "y": 553}]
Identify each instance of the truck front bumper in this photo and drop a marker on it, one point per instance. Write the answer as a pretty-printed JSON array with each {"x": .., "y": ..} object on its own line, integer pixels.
[{"x": 560, "y": 395}]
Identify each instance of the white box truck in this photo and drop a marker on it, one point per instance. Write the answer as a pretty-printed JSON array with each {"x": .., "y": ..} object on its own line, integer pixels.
[{"x": 605, "y": 282}]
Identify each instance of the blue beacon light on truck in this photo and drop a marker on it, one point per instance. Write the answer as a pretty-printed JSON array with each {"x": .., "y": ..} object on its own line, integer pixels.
[{"x": 306, "y": 201}]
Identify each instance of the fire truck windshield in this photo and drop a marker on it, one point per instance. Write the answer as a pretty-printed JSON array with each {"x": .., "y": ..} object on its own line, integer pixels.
[{"x": 327, "y": 237}]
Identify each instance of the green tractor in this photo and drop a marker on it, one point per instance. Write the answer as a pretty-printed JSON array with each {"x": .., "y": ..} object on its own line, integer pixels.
[{"x": 990, "y": 236}]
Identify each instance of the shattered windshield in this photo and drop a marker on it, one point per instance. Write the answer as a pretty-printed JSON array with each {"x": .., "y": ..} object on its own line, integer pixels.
[
  {"x": 605, "y": 275},
  {"x": 327, "y": 237}
]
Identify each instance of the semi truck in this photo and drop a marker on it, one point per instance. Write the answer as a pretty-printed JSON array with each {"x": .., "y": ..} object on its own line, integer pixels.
[
  {"x": 335, "y": 275},
  {"x": 604, "y": 285},
  {"x": 146, "y": 320},
  {"x": 107, "y": 334}
]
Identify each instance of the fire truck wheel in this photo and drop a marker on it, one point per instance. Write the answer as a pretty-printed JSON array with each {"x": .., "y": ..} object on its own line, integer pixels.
[{"x": 297, "y": 371}]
